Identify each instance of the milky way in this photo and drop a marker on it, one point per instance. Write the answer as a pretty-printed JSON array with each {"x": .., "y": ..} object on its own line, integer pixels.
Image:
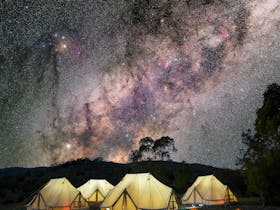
[{"x": 90, "y": 79}]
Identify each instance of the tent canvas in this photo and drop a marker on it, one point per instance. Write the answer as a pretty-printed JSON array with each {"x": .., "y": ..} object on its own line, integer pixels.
[
  {"x": 208, "y": 190},
  {"x": 58, "y": 194},
  {"x": 140, "y": 191},
  {"x": 95, "y": 190}
]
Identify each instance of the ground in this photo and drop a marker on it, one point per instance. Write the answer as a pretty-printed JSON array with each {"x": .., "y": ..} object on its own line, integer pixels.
[{"x": 20, "y": 206}]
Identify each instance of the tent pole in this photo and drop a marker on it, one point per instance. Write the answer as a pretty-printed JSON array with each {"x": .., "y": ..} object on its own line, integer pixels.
[
  {"x": 125, "y": 201},
  {"x": 38, "y": 204},
  {"x": 194, "y": 196},
  {"x": 96, "y": 196},
  {"x": 80, "y": 201},
  {"x": 172, "y": 202},
  {"x": 228, "y": 195}
]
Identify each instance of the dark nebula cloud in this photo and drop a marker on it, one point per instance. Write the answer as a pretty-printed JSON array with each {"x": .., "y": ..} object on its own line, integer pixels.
[{"x": 91, "y": 78}]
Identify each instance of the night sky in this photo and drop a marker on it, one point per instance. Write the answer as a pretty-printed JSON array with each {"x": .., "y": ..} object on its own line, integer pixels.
[{"x": 91, "y": 78}]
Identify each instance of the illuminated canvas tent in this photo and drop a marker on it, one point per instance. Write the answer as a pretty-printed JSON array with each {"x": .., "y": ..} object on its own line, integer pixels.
[
  {"x": 140, "y": 191},
  {"x": 95, "y": 190},
  {"x": 208, "y": 190},
  {"x": 58, "y": 194}
]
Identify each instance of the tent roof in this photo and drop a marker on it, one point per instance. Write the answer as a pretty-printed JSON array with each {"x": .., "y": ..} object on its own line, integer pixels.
[
  {"x": 208, "y": 187},
  {"x": 144, "y": 189},
  {"x": 92, "y": 185},
  {"x": 59, "y": 192}
]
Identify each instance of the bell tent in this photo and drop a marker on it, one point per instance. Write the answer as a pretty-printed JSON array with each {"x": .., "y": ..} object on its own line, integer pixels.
[
  {"x": 140, "y": 191},
  {"x": 208, "y": 190},
  {"x": 58, "y": 194},
  {"x": 95, "y": 190}
]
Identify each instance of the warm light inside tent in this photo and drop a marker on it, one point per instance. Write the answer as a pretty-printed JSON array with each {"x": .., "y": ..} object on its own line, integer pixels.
[{"x": 220, "y": 202}]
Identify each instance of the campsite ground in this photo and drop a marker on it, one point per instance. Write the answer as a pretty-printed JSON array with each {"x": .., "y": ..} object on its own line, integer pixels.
[
  {"x": 17, "y": 206},
  {"x": 241, "y": 207},
  {"x": 20, "y": 206}
]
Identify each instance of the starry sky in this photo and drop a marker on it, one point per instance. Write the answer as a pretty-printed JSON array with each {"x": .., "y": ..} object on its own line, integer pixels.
[{"x": 90, "y": 78}]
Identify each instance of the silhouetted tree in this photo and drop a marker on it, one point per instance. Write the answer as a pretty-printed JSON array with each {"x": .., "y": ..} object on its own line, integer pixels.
[
  {"x": 145, "y": 151},
  {"x": 268, "y": 117},
  {"x": 261, "y": 160},
  {"x": 162, "y": 148},
  {"x": 150, "y": 149},
  {"x": 135, "y": 156},
  {"x": 146, "y": 148}
]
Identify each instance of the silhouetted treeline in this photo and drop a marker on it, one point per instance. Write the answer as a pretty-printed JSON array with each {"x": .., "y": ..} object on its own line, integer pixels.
[{"x": 18, "y": 184}]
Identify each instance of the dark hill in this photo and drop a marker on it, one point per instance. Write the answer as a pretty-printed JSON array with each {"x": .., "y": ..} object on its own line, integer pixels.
[{"x": 18, "y": 184}]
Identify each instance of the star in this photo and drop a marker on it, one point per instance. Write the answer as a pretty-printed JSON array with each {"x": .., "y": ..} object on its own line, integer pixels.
[{"x": 68, "y": 146}]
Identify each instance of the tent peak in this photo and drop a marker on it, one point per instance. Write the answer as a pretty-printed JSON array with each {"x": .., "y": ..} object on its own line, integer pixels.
[
  {"x": 207, "y": 175},
  {"x": 61, "y": 178},
  {"x": 139, "y": 173},
  {"x": 97, "y": 180}
]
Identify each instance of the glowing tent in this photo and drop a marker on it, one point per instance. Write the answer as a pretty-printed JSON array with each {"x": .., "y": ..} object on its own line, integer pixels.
[
  {"x": 208, "y": 190},
  {"x": 95, "y": 190},
  {"x": 58, "y": 194},
  {"x": 140, "y": 191}
]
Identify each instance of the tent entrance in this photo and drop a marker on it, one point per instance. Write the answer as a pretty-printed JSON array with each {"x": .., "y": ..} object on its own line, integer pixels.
[{"x": 124, "y": 202}]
